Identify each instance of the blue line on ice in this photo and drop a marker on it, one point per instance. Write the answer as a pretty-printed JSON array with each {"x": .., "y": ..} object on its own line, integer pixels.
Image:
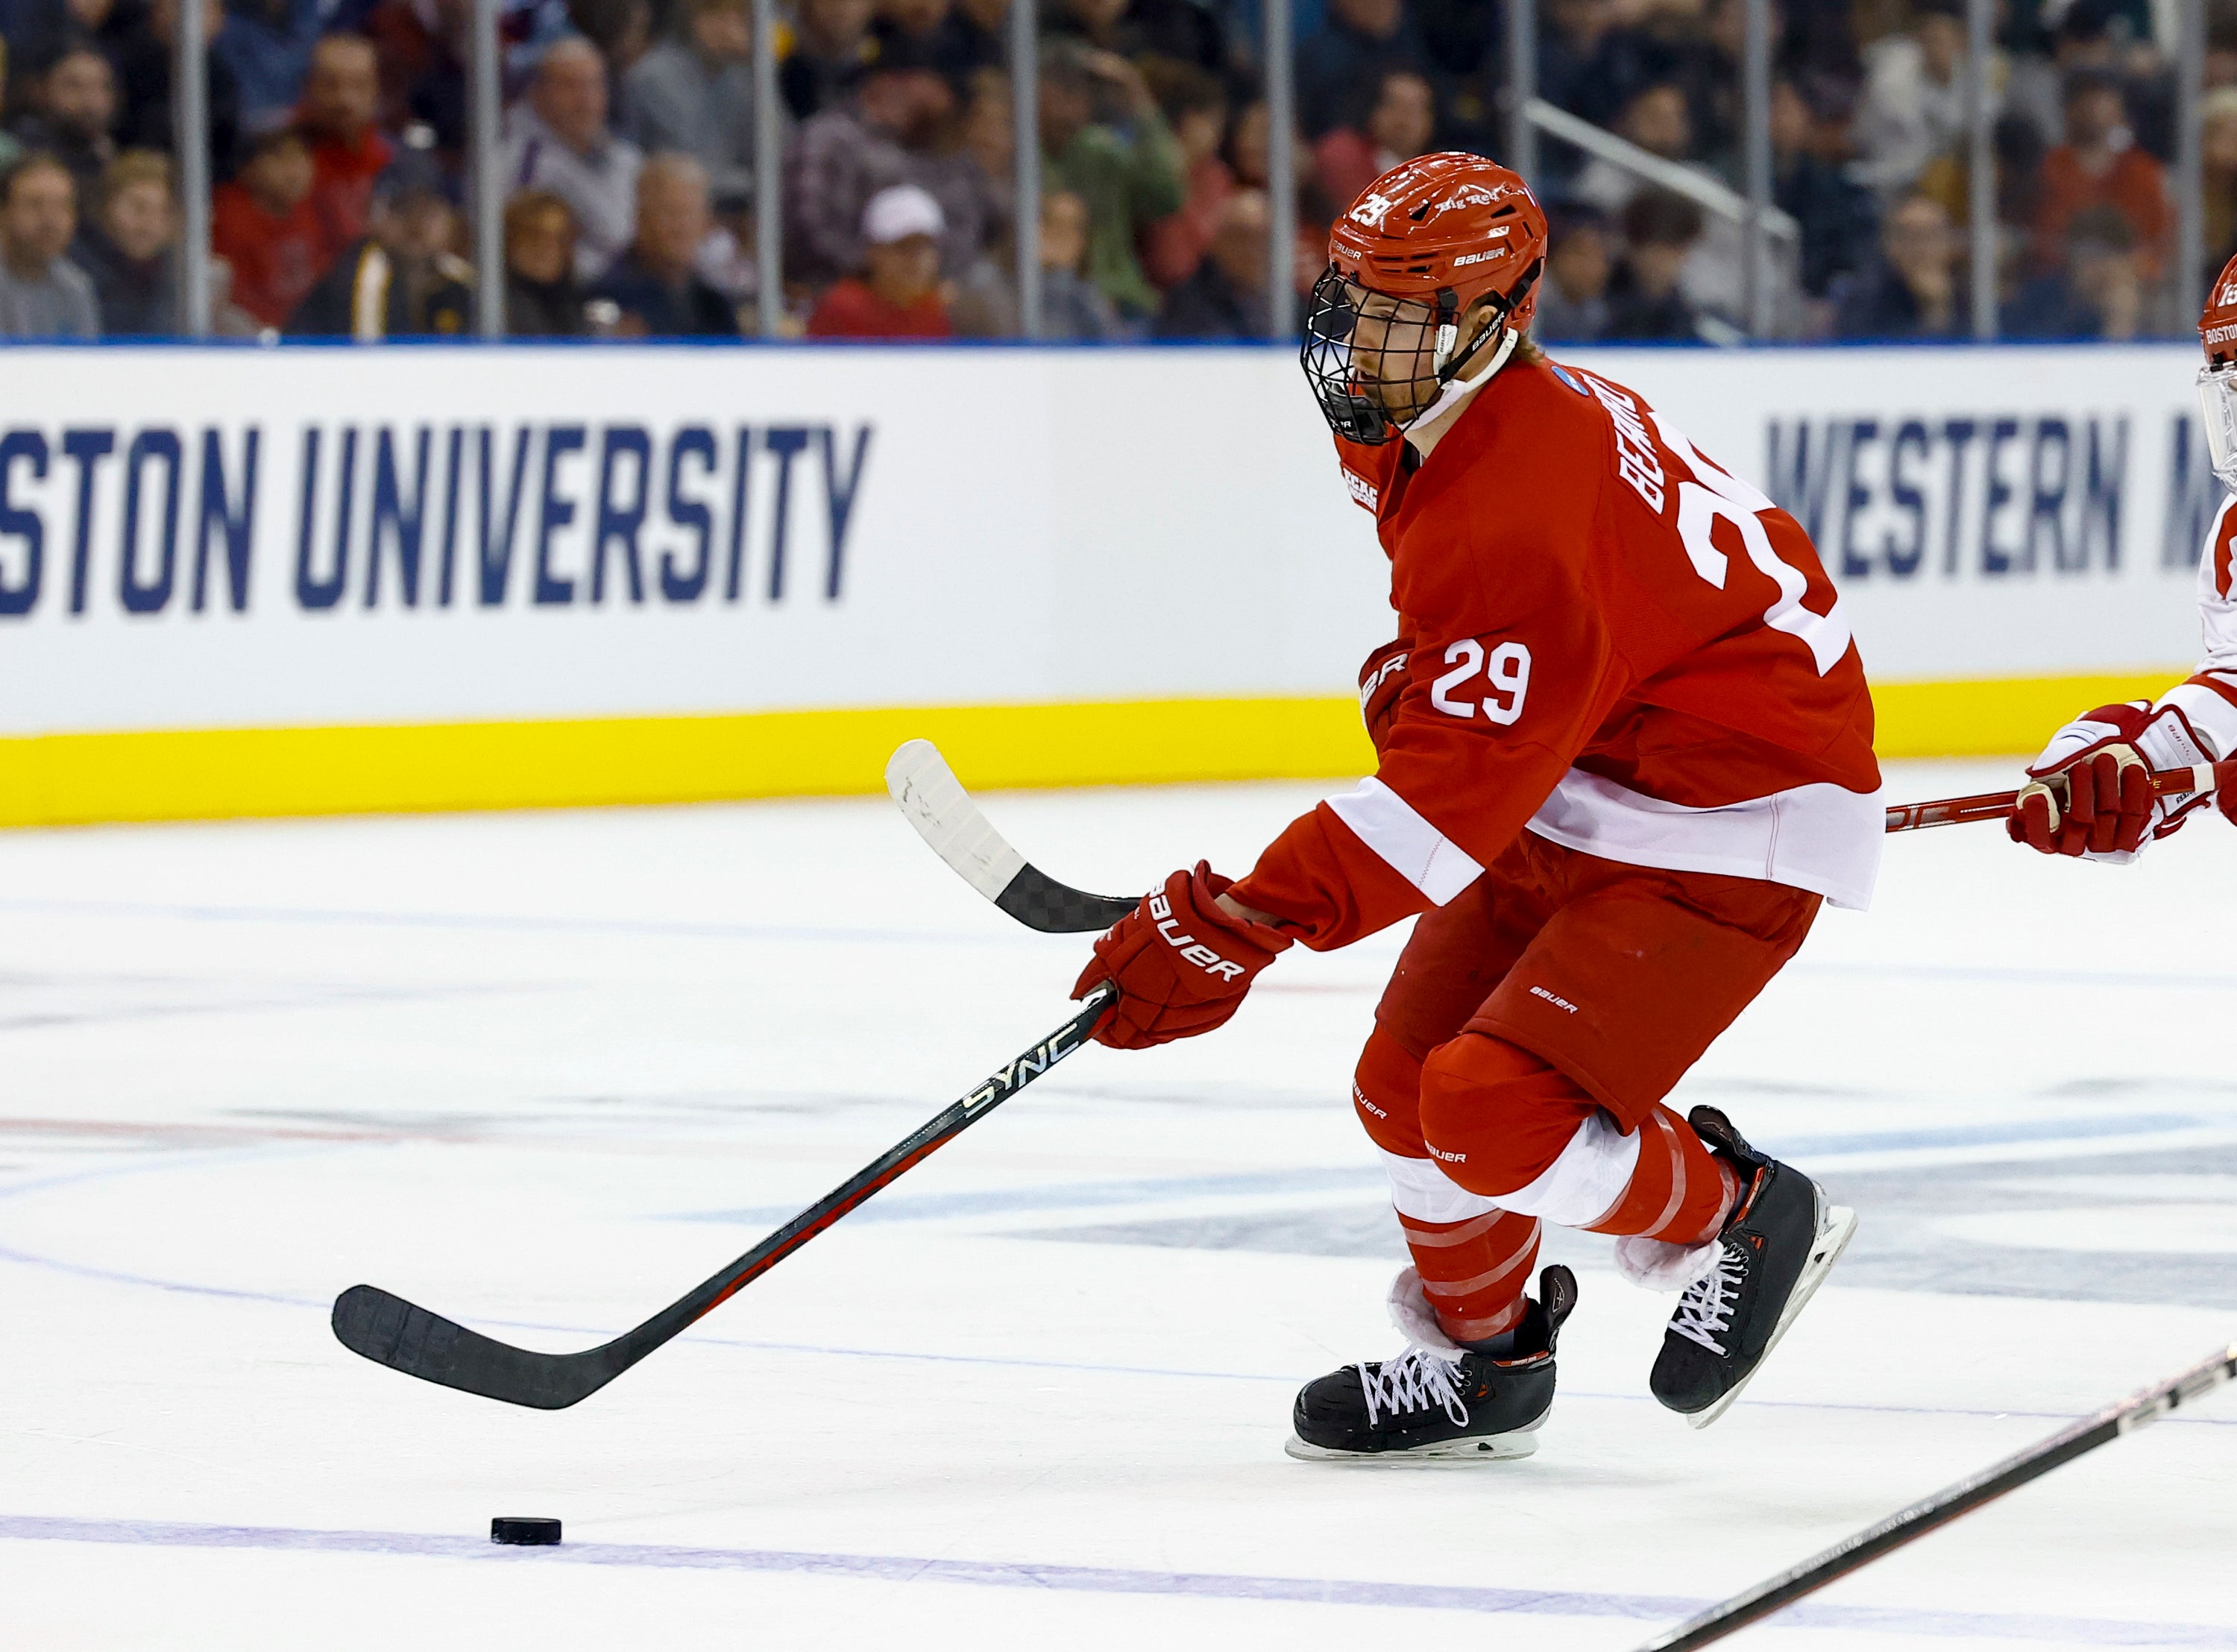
[{"x": 1104, "y": 1579}]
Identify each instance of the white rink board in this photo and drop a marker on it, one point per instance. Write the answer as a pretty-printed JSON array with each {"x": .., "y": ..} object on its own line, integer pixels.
[{"x": 957, "y": 526}]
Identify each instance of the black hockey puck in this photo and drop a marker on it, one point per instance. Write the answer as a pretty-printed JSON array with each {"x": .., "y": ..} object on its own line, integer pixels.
[{"x": 523, "y": 1529}]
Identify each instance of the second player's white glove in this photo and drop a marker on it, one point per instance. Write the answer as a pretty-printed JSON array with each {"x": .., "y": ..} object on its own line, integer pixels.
[{"x": 2089, "y": 793}]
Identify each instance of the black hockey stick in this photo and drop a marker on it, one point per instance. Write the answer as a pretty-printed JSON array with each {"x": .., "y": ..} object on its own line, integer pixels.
[
  {"x": 1947, "y": 1504},
  {"x": 390, "y": 1331},
  {"x": 945, "y": 817}
]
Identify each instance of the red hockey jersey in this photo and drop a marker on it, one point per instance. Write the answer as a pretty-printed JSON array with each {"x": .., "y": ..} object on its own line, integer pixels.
[{"x": 1613, "y": 642}]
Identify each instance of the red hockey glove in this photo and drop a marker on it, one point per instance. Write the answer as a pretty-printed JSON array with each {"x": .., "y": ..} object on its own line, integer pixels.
[
  {"x": 1381, "y": 679},
  {"x": 1181, "y": 965},
  {"x": 2089, "y": 793}
]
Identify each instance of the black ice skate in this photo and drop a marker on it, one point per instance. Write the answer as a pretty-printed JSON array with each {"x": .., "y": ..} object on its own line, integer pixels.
[
  {"x": 1781, "y": 1243},
  {"x": 1438, "y": 1400}
]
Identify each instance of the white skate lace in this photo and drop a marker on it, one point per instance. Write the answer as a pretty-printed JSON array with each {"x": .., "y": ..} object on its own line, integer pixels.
[
  {"x": 1416, "y": 1380},
  {"x": 1707, "y": 1307}
]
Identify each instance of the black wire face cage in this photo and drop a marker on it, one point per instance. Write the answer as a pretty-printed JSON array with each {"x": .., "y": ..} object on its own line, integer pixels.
[{"x": 1404, "y": 345}]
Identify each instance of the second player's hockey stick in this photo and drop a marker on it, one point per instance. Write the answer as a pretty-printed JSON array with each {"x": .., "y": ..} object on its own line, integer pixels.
[
  {"x": 392, "y": 1332},
  {"x": 1948, "y": 1503},
  {"x": 1996, "y": 806},
  {"x": 943, "y": 815}
]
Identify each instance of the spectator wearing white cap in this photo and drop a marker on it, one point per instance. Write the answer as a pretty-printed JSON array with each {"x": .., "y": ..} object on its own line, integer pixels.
[{"x": 898, "y": 295}]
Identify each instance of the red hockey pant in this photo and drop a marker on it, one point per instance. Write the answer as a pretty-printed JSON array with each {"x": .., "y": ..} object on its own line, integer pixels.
[{"x": 1523, "y": 1048}]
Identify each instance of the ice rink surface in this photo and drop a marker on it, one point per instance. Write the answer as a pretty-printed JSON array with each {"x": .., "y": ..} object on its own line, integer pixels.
[{"x": 542, "y": 1072}]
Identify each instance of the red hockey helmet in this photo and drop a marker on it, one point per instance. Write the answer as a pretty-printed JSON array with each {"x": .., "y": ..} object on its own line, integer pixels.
[
  {"x": 1421, "y": 245},
  {"x": 2217, "y": 380}
]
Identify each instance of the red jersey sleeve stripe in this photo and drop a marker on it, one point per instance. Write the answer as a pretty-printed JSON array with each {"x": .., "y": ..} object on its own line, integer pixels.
[{"x": 1409, "y": 845}]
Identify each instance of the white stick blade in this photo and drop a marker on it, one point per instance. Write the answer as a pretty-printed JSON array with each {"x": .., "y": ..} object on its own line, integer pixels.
[{"x": 945, "y": 817}]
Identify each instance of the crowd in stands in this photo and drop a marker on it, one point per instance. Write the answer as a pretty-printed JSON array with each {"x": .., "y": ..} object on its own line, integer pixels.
[{"x": 338, "y": 139}]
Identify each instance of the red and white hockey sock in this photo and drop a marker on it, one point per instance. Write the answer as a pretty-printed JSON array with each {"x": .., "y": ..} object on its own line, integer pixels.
[
  {"x": 1529, "y": 1140},
  {"x": 1473, "y": 1258},
  {"x": 1474, "y": 1272},
  {"x": 1658, "y": 1188},
  {"x": 1678, "y": 1192}
]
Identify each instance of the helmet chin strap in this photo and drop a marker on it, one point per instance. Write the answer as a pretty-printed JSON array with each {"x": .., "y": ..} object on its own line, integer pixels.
[
  {"x": 1509, "y": 338},
  {"x": 1456, "y": 387},
  {"x": 1448, "y": 369}
]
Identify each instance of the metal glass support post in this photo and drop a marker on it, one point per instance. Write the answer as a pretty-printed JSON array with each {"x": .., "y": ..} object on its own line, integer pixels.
[
  {"x": 190, "y": 139},
  {"x": 1281, "y": 175},
  {"x": 769, "y": 198},
  {"x": 1025, "y": 106},
  {"x": 485, "y": 169},
  {"x": 1981, "y": 165},
  {"x": 1755, "y": 113},
  {"x": 2191, "y": 274},
  {"x": 1521, "y": 87}
]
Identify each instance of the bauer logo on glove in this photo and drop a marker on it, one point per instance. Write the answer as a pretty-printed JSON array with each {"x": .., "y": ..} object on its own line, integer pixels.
[
  {"x": 1180, "y": 964},
  {"x": 1191, "y": 949}
]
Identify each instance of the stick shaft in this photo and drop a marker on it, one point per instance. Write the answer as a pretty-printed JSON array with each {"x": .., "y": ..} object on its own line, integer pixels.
[
  {"x": 1995, "y": 806},
  {"x": 1907, "y": 1525},
  {"x": 389, "y": 1331},
  {"x": 896, "y": 1161}
]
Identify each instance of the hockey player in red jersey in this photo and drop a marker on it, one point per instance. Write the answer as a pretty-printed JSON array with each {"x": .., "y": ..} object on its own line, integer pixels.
[
  {"x": 2089, "y": 792},
  {"x": 1624, "y": 754}
]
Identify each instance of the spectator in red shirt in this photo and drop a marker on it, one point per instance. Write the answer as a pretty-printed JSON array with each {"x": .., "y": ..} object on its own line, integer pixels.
[
  {"x": 2101, "y": 165},
  {"x": 898, "y": 295},
  {"x": 266, "y": 227},
  {"x": 341, "y": 98}
]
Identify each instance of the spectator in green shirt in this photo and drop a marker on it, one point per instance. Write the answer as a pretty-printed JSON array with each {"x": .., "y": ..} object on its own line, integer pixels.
[{"x": 1127, "y": 168}]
